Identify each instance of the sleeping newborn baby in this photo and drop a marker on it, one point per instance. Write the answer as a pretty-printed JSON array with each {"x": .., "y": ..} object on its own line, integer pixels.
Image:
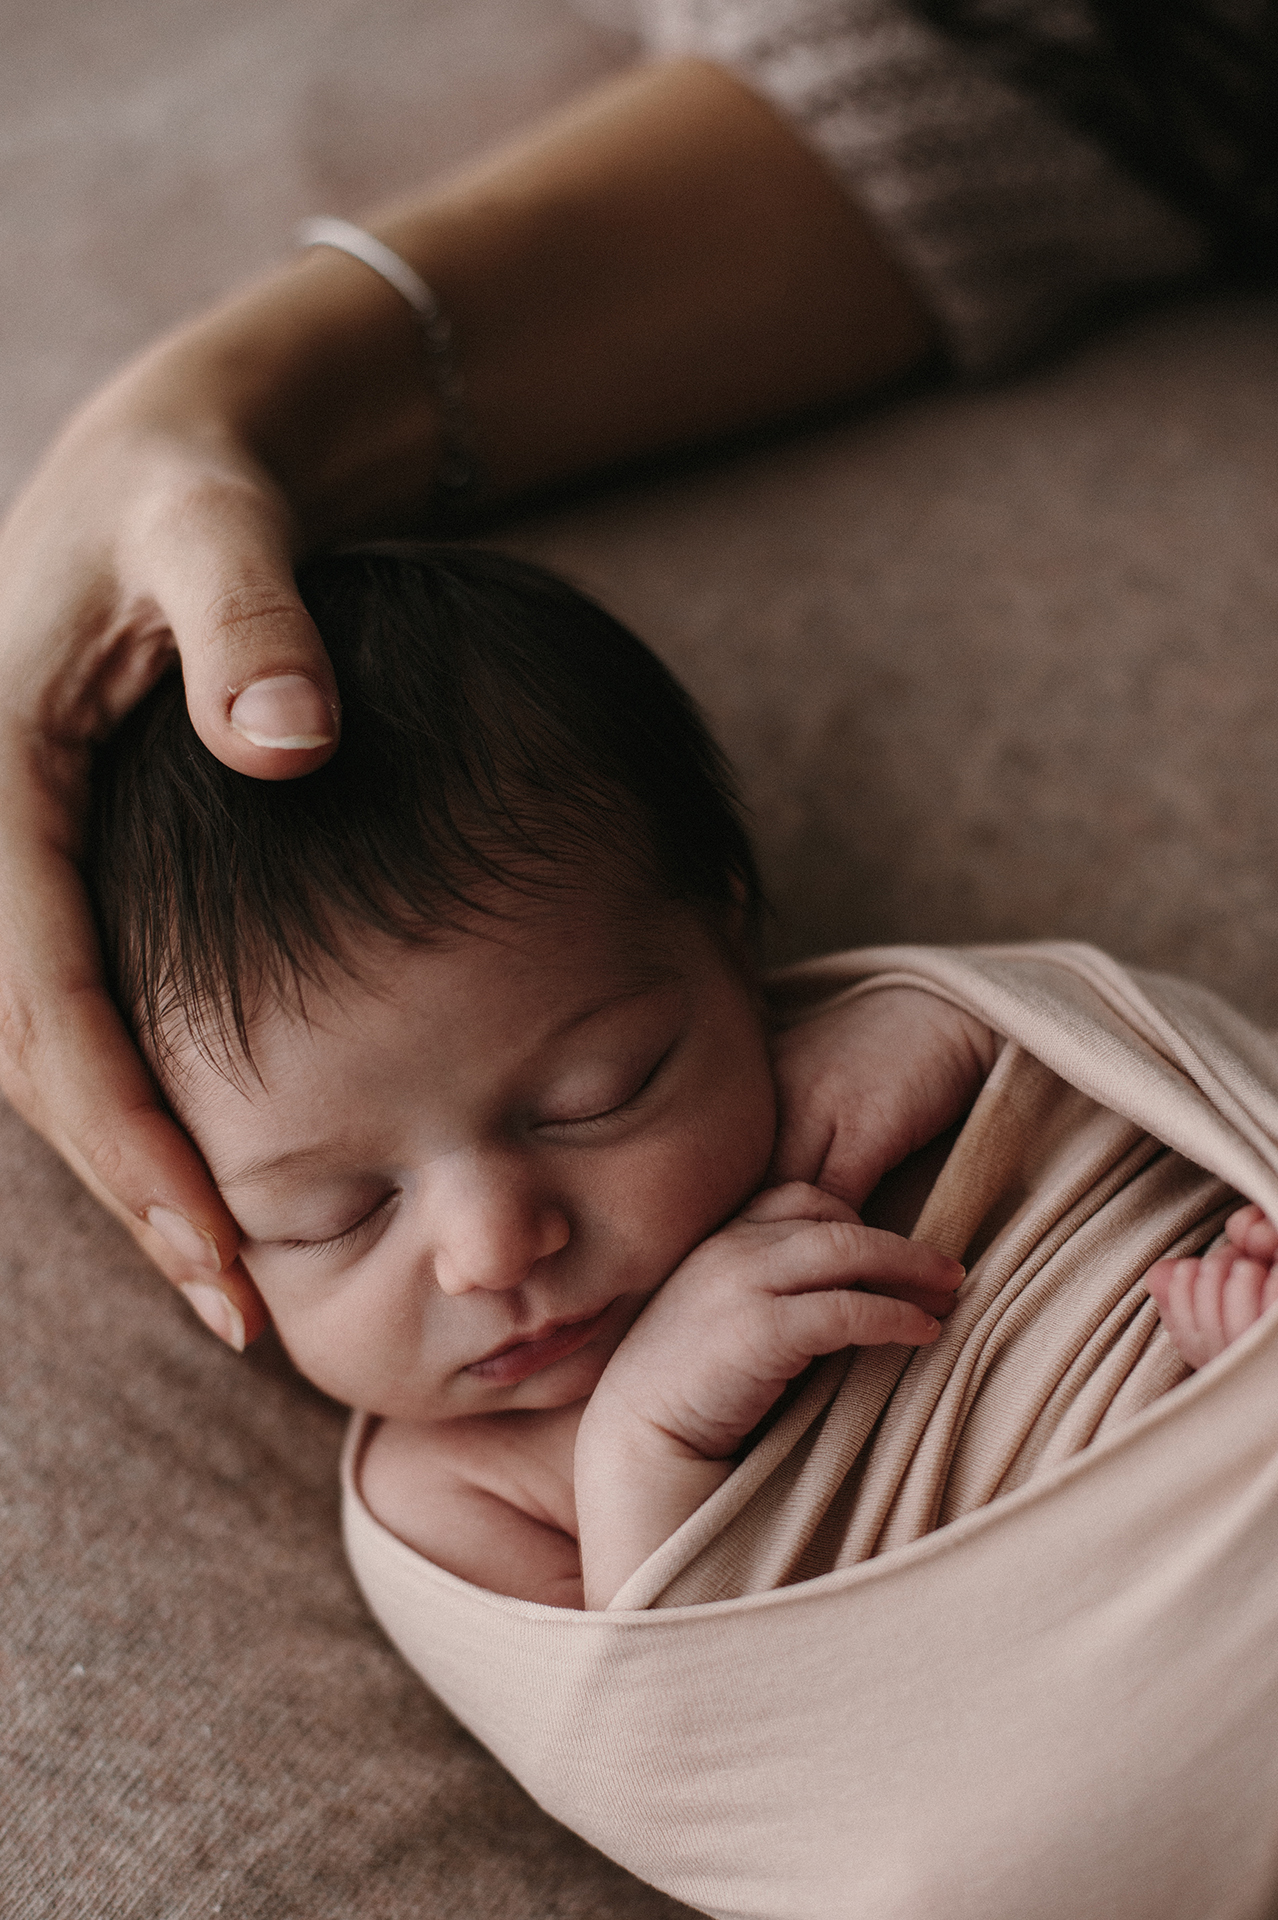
[{"x": 466, "y": 1027}]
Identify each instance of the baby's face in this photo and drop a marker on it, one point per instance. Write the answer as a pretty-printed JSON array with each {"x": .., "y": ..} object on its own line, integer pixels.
[{"x": 464, "y": 1173}]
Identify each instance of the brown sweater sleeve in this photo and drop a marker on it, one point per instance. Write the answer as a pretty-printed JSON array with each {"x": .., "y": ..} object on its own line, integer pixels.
[{"x": 1012, "y": 224}]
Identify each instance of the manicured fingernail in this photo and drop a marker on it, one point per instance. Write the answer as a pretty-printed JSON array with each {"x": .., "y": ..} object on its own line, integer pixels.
[
  {"x": 187, "y": 1240},
  {"x": 220, "y": 1315},
  {"x": 287, "y": 710}
]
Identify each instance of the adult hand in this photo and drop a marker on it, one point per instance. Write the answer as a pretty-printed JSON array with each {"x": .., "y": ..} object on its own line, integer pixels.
[
  {"x": 133, "y": 544},
  {"x": 670, "y": 224},
  {"x": 866, "y": 1081}
]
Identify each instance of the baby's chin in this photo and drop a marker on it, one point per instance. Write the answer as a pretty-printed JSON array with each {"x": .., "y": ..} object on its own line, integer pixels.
[{"x": 569, "y": 1383}]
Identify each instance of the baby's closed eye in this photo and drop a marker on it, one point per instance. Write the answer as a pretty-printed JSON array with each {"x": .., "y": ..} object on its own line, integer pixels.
[
  {"x": 346, "y": 1238},
  {"x": 593, "y": 1105}
]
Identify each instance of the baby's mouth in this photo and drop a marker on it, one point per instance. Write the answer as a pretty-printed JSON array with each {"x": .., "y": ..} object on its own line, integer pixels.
[{"x": 517, "y": 1359}]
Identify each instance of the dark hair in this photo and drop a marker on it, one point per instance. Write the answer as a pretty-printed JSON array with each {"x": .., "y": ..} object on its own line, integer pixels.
[
  {"x": 498, "y": 727},
  {"x": 1183, "y": 93}
]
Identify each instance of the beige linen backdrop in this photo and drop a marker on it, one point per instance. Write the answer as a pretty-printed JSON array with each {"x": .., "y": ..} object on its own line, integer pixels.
[{"x": 987, "y": 1631}]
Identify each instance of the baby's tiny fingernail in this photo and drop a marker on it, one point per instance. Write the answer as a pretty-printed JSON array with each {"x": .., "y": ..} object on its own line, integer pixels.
[
  {"x": 186, "y": 1239},
  {"x": 220, "y": 1315},
  {"x": 285, "y": 710}
]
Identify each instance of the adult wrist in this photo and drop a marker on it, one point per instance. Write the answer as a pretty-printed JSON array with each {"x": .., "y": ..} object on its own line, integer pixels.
[{"x": 315, "y": 375}]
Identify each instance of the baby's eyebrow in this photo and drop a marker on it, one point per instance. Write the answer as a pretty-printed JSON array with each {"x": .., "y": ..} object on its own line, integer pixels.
[
  {"x": 638, "y": 987},
  {"x": 642, "y": 981},
  {"x": 269, "y": 1166}
]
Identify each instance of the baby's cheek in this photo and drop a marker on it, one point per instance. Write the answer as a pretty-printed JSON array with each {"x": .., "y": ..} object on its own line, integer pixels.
[
  {"x": 683, "y": 1193},
  {"x": 328, "y": 1339}
]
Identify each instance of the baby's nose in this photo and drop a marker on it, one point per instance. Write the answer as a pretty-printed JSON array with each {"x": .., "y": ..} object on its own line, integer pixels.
[{"x": 492, "y": 1233}]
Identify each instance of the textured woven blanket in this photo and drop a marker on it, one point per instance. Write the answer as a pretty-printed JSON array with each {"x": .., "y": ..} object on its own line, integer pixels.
[{"x": 988, "y": 1629}]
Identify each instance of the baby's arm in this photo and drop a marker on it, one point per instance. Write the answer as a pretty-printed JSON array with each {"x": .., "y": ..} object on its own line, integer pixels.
[
  {"x": 713, "y": 1350},
  {"x": 1206, "y": 1303}
]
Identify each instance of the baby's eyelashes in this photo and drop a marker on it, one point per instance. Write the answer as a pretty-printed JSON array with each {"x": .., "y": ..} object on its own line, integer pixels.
[
  {"x": 626, "y": 1093},
  {"x": 349, "y": 1237}
]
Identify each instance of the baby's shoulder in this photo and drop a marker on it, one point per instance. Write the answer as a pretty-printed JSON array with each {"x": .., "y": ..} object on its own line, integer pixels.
[{"x": 489, "y": 1498}]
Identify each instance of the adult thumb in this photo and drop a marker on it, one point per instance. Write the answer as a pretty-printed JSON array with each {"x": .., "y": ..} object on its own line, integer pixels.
[{"x": 259, "y": 685}]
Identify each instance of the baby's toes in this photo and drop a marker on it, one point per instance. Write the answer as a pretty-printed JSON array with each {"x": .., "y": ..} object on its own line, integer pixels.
[
  {"x": 1174, "y": 1285},
  {"x": 1159, "y": 1281},
  {"x": 1253, "y": 1233},
  {"x": 1268, "y": 1289},
  {"x": 1208, "y": 1289},
  {"x": 1242, "y": 1297}
]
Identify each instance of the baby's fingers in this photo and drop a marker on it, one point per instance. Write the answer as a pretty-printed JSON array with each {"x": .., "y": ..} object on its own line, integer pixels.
[
  {"x": 796, "y": 1200},
  {"x": 817, "y": 1323},
  {"x": 838, "y": 1253}
]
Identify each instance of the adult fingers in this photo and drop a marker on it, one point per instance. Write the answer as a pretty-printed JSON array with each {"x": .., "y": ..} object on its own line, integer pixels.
[
  {"x": 934, "y": 1300},
  {"x": 97, "y": 1108},
  {"x": 67, "y": 1065},
  {"x": 259, "y": 685}
]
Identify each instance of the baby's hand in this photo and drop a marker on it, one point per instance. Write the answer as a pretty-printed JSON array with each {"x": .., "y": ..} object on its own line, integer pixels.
[
  {"x": 867, "y": 1081},
  {"x": 712, "y": 1351},
  {"x": 752, "y": 1305},
  {"x": 1206, "y": 1303}
]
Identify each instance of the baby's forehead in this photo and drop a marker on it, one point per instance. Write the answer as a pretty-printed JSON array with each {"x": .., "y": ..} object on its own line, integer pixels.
[
  {"x": 437, "y": 1043},
  {"x": 524, "y": 968},
  {"x": 566, "y": 947}
]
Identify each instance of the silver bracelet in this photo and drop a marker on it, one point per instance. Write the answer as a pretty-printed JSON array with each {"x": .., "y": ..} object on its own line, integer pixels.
[{"x": 457, "y": 469}]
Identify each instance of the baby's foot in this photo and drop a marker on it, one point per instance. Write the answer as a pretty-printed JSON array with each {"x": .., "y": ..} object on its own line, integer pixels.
[{"x": 1206, "y": 1303}]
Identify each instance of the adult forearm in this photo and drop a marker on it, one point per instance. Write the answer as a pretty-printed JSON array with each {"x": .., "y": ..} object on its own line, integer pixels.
[{"x": 661, "y": 262}]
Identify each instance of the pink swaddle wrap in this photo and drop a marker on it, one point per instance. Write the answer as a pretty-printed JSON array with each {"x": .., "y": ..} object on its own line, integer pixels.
[{"x": 988, "y": 1629}]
